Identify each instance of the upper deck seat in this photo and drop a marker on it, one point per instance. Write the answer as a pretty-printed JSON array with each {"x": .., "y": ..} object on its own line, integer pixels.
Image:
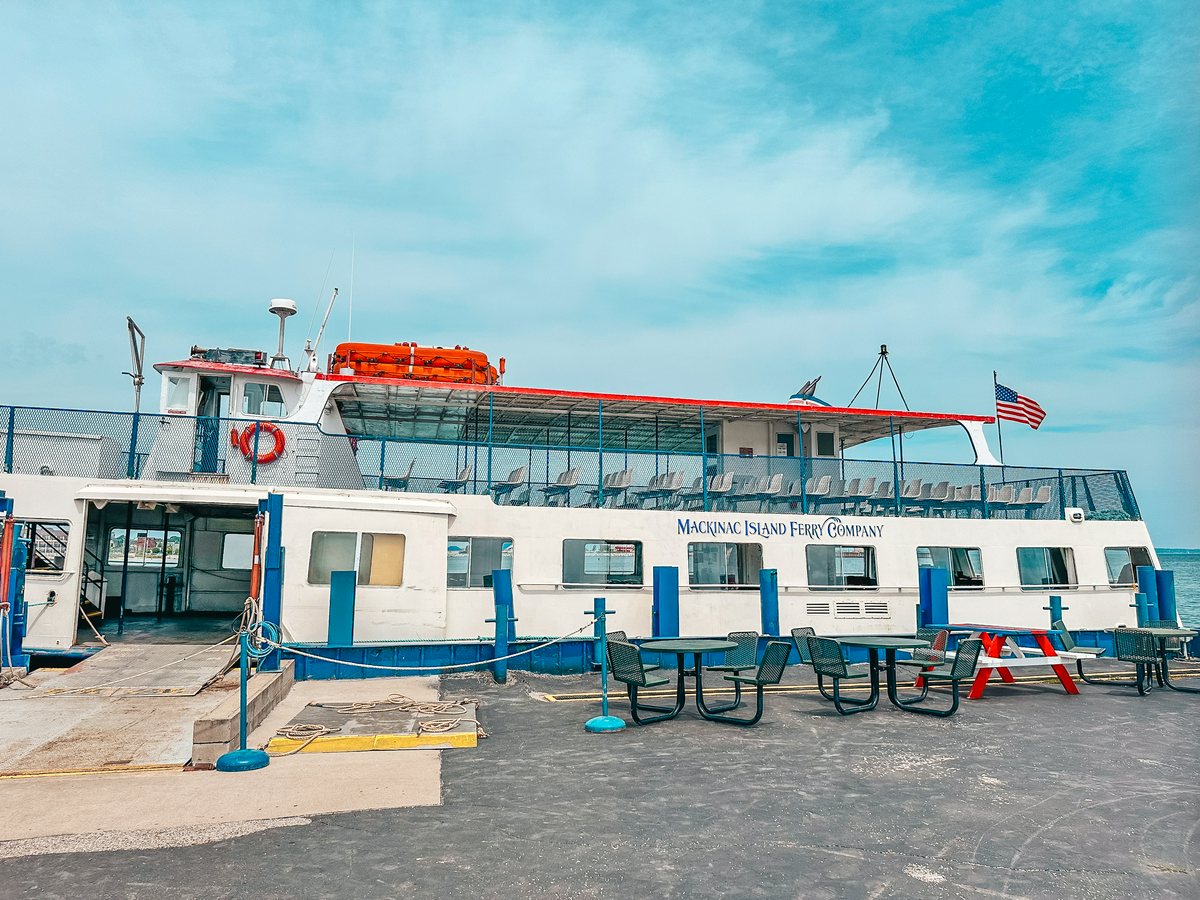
[
  {"x": 883, "y": 500},
  {"x": 935, "y": 503},
  {"x": 914, "y": 504},
  {"x": 1000, "y": 499},
  {"x": 663, "y": 487},
  {"x": 399, "y": 482},
  {"x": 792, "y": 493},
  {"x": 769, "y": 487},
  {"x": 859, "y": 491},
  {"x": 515, "y": 479},
  {"x": 559, "y": 493},
  {"x": 834, "y": 496},
  {"x": 816, "y": 490},
  {"x": 459, "y": 481},
  {"x": 719, "y": 488}
]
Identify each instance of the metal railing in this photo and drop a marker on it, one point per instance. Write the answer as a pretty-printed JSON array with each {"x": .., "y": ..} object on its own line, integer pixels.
[{"x": 151, "y": 446}]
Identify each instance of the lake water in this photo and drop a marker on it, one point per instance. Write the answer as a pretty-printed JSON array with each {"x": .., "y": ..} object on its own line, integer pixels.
[{"x": 1186, "y": 566}]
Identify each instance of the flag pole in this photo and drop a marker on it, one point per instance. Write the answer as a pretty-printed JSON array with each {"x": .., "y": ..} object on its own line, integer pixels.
[{"x": 999, "y": 432}]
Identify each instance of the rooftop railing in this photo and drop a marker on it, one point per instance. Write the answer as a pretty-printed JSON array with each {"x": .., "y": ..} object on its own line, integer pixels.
[{"x": 115, "y": 445}]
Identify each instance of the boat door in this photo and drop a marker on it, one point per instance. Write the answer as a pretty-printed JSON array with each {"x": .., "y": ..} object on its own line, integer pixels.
[{"x": 212, "y": 409}]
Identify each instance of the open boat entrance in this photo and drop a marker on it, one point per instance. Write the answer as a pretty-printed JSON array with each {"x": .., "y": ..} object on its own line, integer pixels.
[{"x": 162, "y": 572}]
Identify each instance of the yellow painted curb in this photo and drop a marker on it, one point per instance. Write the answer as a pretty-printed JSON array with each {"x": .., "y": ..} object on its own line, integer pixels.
[{"x": 337, "y": 743}]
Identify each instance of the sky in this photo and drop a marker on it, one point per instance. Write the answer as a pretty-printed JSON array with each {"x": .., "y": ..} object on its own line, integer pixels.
[{"x": 712, "y": 200}]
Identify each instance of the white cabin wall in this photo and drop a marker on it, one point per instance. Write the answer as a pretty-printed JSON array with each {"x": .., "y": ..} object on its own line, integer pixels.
[{"x": 760, "y": 436}]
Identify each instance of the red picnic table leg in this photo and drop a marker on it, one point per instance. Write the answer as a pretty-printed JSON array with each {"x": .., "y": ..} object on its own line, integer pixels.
[
  {"x": 991, "y": 647},
  {"x": 1064, "y": 676}
]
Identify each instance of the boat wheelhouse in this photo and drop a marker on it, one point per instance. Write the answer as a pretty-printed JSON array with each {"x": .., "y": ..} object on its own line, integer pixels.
[{"x": 420, "y": 471}]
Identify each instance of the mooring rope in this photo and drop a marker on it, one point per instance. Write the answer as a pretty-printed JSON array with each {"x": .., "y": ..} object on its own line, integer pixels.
[{"x": 483, "y": 662}]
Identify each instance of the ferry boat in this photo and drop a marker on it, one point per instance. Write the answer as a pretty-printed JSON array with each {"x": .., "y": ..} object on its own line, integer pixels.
[{"x": 421, "y": 471}]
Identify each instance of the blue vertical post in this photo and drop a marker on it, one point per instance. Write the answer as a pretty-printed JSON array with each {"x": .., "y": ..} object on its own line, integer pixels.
[
  {"x": 1056, "y": 609},
  {"x": 272, "y": 588},
  {"x": 382, "y": 460},
  {"x": 254, "y": 455},
  {"x": 491, "y": 420},
  {"x": 1167, "y": 611},
  {"x": 343, "y": 586},
  {"x": 131, "y": 465},
  {"x": 896, "y": 485},
  {"x": 768, "y": 593},
  {"x": 803, "y": 473},
  {"x": 665, "y": 611},
  {"x": 984, "y": 511},
  {"x": 8, "y": 439},
  {"x": 600, "y": 452},
  {"x": 703, "y": 462},
  {"x": 603, "y": 723},
  {"x": 1062, "y": 495},
  {"x": 242, "y": 759},
  {"x": 934, "y": 589},
  {"x": 506, "y": 629},
  {"x": 1147, "y": 583},
  {"x": 1142, "y": 604}
]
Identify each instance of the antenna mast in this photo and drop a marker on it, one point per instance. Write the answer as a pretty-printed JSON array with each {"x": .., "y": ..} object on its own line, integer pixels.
[
  {"x": 137, "y": 351},
  {"x": 880, "y": 363},
  {"x": 310, "y": 347}
]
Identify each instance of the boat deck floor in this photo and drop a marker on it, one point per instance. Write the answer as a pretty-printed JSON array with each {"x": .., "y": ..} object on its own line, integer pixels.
[{"x": 1027, "y": 792}]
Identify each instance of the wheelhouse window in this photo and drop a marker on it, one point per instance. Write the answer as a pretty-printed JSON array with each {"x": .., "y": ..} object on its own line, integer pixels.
[
  {"x": 835, "y": 566},
  {"x": 146, "y": 547},
  {"x": 965, "y": 564},
  {"x": 470, "y": 561},
  {"x": 731, "y": 565},
  {"x": 1123, "y": 562},
  {"x": 47, "y": 546},
  {"x": 378, "y": 558},
  {"x": 1041, "y": 567},
  {"x": 602, "y": 562},
  {"x": 261, "y": 399}
]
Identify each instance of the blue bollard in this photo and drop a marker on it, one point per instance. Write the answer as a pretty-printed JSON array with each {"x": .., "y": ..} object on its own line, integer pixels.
[
  {"x": 1056, "y": 609},
  {"x": 242, "y": 759},
  {"x": 1142, "y": 604},
  {"x": 1147, "y": 583},
  {"x": 603, "y": 723},
  {"x": 768, "y": 593},
  {"x": 1167, "y": 610},
  {"x": 502, "y": 594}
]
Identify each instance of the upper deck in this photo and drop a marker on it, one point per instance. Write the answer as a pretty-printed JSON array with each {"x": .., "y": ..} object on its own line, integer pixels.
[{"x": 537, "y": 447}]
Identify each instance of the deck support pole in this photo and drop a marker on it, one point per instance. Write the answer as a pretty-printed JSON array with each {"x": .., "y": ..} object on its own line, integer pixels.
[{"x": 768, "y": 592}]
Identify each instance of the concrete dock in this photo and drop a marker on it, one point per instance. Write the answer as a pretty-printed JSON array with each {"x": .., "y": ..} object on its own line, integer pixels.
[{"x": 1026, "y": 793}]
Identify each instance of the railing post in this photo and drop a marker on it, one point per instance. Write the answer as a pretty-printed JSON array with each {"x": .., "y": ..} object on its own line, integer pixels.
[
  {"x": 600, "y": 452},
  {"x": 491, "y": 419},
  {"x": 1056, "y": 609},
  {"x": 984, "y": 511},
  {"x": 8, "y": 439},
  {"x": 254, "y": 455},
  {"x": 803, "y": 458},
  {"x": 382, "y": 459},
  {"x": 703, "y": 461},
  {"x": 1062, "y": 495},
  {"x": 131, "y": 467},
  {"x": 602, "y": 723},
  {"x": 897, "y": 487}
]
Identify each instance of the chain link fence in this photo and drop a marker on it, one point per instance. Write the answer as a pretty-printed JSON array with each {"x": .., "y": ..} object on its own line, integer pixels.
[{"x": 579, "y": 461}]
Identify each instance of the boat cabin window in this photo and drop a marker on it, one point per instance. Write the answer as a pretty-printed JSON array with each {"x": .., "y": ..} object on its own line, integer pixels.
[
  {"x": 146, "y": 547},
  {"x": 47, "y": 546},
  {"x": 731, "y": 565},
  {"x": 1046, "y": 567},
  {"x": 826, "y": 444},
  {"x": 602, "y": 562},
  {"x": 260, "y": 399},
  {"x": 1123, "y": 563},
  {"x": 965, "y": 564},
  {"x": 378, "y": 558},
  {"x": 237, "y": 551},
  {"x": 833, "y": 566},
  {"x": 470, "y": 561},
  {"x": 179, "y": 391}
]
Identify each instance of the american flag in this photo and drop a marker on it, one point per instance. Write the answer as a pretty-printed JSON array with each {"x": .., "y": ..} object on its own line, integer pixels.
[{"x": 1017, "y": 408}]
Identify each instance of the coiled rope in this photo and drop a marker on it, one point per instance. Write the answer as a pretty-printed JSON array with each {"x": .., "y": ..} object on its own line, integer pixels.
[{"x": 453, "y": 713}]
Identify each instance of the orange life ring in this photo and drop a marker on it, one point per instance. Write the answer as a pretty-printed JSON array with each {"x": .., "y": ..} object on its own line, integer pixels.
[{"x": 245, "y": 442}]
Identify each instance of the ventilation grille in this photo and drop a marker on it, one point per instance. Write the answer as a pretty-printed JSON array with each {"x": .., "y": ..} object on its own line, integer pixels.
[
  {"x": 876, "y": 609},
  {"x": 848, "y": 608},
  {"x": 817, "y": 609}
]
